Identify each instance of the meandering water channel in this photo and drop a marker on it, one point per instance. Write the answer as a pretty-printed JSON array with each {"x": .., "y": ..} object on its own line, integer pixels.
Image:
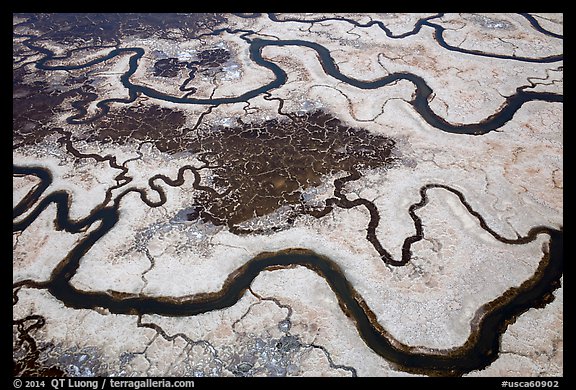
[
  {"x": 483, "y": 344},
  {"x": 480, "y": 349}
]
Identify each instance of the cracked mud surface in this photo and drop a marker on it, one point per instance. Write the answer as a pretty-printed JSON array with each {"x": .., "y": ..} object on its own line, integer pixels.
[{"x": 287, "y": 195}]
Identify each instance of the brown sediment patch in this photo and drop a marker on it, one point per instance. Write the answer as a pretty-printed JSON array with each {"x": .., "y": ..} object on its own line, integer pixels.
[
  {"x": 213, "y": 58},
  {"x": 210, "y": 58},
  {"x": 168, "y": 67},
  {"x": 254, "y": 168},
  {"x": 265, "y": 166},
  {"x": 154, "y": 123},
  {"x": 106, "y": 28},
  {"x": 33, "y": 106}
]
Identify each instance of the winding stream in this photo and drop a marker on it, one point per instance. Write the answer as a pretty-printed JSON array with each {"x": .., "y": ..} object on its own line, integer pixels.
[
  {"x": 420, "y": 102},
  {"x": 479, "y": 350},
  {"x": 483, "y": 344}
]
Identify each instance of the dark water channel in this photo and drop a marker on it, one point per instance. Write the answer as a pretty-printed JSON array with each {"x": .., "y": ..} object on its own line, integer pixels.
[
  {"x": 479, "y": 351},
  {"x": 483, "y": 345},
  {"x": 420, "y": 101}
]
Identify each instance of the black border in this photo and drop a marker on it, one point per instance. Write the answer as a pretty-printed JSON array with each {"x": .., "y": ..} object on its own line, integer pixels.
[{"x": 291, "y": 6}]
